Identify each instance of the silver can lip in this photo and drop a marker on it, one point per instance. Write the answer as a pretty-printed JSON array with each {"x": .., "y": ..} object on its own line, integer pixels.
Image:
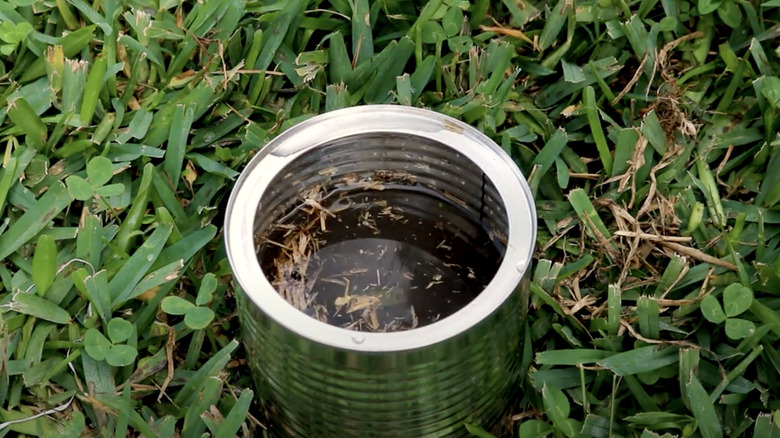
[{"x": 371, "y": 119}]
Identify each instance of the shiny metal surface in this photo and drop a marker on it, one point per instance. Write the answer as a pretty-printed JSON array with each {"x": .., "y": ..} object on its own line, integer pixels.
[{"x": 318, "y": 380}]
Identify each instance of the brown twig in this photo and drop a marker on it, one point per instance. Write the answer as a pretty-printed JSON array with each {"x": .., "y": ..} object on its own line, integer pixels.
[
  {"x": 633, "y": 81},
  {"x": 699, "y": 255},
  {"x": 652, "y": 237},
  {"x": 169, "y": 346},
  {"x": 515, "y": 33}
]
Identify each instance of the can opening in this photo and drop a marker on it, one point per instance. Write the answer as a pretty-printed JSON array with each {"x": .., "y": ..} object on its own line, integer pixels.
[{"x": 380, "y": 232}]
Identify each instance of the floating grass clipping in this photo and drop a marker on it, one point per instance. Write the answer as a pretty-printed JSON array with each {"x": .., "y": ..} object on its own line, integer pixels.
[
  {"x": 372, "y": 254},
  {"x": 295, "y": 268}
]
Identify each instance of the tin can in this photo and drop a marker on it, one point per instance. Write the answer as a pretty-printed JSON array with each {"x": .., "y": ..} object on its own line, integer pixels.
[{"x": 318, "y": 380}]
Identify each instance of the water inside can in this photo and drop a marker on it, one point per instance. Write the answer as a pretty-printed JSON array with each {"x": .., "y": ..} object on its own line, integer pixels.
[{"x": 379, "y": 257}]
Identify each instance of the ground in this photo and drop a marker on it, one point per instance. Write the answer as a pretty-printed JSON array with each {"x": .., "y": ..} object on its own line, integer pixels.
[{"x": 647, "y": 130}]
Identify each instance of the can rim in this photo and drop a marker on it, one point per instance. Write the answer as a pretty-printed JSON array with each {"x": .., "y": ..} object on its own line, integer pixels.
[{"x": 248, "y": 190}]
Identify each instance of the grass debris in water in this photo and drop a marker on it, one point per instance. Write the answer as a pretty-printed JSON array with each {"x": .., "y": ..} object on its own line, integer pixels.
[{"x": 377, "y": 255}]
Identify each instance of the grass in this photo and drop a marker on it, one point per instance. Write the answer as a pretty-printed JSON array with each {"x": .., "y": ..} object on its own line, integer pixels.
[{"x": 647, "y": 129}]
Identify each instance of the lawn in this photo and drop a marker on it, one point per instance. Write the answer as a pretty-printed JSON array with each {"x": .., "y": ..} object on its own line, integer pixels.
[{"x": 647, "y": 129}]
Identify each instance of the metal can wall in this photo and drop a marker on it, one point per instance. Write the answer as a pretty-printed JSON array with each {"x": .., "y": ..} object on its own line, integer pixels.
[{"x": 319, "y": 380}]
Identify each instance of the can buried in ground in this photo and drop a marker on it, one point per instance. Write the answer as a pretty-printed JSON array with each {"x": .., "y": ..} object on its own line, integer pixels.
[{"x": 381, "y": 257}]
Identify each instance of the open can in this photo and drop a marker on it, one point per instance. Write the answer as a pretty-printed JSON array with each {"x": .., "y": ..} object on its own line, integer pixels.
[{"x": 319, "y": 380}]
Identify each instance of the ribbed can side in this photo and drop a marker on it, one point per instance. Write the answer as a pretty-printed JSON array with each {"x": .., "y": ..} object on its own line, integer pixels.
[{"x": 311, "y": 390}]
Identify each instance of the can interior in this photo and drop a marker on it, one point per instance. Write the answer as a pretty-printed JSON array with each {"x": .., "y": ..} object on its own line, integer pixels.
[{"x": 407, "y": 163}]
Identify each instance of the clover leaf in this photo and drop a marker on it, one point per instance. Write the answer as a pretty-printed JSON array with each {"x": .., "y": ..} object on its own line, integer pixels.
[
  {"x": 196, "y": 316},
  {"x": 736, "y": 300},
  {"x": 98, "y": 347},
  {"x": 100, "y": 170}
]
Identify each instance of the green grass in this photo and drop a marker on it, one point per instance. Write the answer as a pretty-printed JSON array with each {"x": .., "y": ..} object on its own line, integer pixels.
[{"x": 648, "y": 130}]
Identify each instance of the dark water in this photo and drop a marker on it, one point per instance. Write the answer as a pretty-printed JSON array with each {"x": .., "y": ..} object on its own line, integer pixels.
[{"x": 391, "y": 259}]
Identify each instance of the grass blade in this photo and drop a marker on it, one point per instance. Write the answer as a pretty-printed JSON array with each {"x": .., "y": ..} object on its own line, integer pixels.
[
  {"x": 379, "y": 88},
  {"x": 96, "y": 288},
  {"x": 624, "y": 150},
  {"x": 588, "y": 215},
  {"x": 647, "y": 314},
  {"x": 92, "y": 90},
  {"x": 592, "y": 112},
  {"x": 272, "y": 39},
  {"x": 551, "y": 151},
  {"x": 340, "y": 69},
  {"x": 23, "y": 116},
  {"x": 237, "y": 415},
  {"x": 425, "y": 15},
  {"x": 34, "y": 220},
  {"x": 362, "y": 38},
  {"x": 33, "y": 305},
  {"x": 699, "y": 403},
  {"x": 44, "y": 264},
  {"x": 177, "y": 142},
  {"x": 73, "y": 85},
  {"x": 640, "y": 360},
  {"x": 132, "y": 222},
  {"x": 614, "y": 308},
  {"x": 570, "y": 357},
  {"x": 766, "y": 315},
  {"x": 215, "y": 364},
  {"x": 653, "y": 132},
  {"x": 553, "y": 25},
  {"x": 134, "y": 269}
]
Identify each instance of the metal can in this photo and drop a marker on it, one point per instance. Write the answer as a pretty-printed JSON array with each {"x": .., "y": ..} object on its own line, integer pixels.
[{"x": 318, "y": 380}]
